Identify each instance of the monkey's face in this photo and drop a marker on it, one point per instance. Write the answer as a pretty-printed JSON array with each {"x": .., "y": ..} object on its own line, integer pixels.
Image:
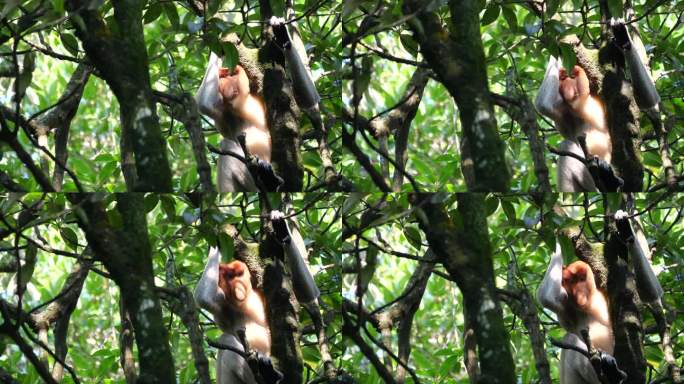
[
  {"x": 233, "y": 86},
  {"x": 235, "y": 282},
  {"x": 578, "y": 281},
  {"x": 574, "y": 87}
]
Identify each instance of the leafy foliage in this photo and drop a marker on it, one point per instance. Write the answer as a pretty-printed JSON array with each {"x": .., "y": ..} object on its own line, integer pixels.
[
  {"x": 522, "y": 235},
  {"x": 180, "y": 233}
]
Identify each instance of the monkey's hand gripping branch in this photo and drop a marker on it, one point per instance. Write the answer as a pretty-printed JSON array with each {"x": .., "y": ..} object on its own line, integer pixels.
[
  {"x": 601, "y": 171},
  {"x": 303, "y": 284},
  {"x": 261, "y": 365},
  {"x": 262, "y": 171},
  {"x": 604, "y": 364}
]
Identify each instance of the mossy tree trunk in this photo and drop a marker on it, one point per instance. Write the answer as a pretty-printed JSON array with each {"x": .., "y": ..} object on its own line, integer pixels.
[{"x": 117, "y": 49}]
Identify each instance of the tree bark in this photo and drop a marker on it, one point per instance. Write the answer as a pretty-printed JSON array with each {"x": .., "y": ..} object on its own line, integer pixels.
[
  {"x": 124, "y": 249},
  {"x": 466, "y": 254},
  {"x": 283, "y": 114},
  {"x": 118, "y": 52},
  {"x": 459, "y": 63}
]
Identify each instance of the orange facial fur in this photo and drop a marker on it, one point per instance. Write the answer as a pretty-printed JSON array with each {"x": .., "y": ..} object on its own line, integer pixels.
[
  {"x": 578, "y": 281},
  {"x": 234, "y": 87},
  {"x": 235, "y": 282},
  {"x": 574, "y": 88}
]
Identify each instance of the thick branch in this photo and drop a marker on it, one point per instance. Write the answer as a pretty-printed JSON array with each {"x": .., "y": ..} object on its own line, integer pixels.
[
  {"x": 120, "y": 56},
  {"x": 459, "y": 63},
  {"x": 125, "y": 251},
  {"x": 467, "y": 256}
]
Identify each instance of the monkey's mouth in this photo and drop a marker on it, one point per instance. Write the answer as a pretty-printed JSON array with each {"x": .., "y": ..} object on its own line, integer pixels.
[
  {"x": 240, "y": 292},
  {"x": 230, "y": 92},
  {"x": 581, "y": 299}
]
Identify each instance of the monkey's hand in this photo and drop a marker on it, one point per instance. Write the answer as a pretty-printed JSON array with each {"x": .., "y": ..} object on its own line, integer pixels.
[
  {"x": 624, "y": 227},
  {"x": 266, "y": 369},
  {"x": 607, "y": 176},
  {"x": 280, "y": 227},
  {"x": 610, "y": 369},
  {"x": 621, "y": 36},
  {"x": 267, "y": 176},
  {"x": 280, "y": 32}
]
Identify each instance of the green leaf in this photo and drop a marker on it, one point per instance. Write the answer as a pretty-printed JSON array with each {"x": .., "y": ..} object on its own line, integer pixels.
[
  {"x": 409, "y": 43},
  {"x": 511, "y": 18},
  {"x": 616, "y": 8},
  {"x": 168, "y": 204},
  {"x": 492, "y": 203},
  {"x": 532, "y": 24},
  {"x": 490, "y": 14},
  {"x": 29, "y": 265},
  {"x": 568, "y": 55},
  {"x": 213, "y": 7},
  {"x": 509, "y": 210},
  {"x": 108, "y": 170},
  {"x": 151, "y": 200},
  {"x": 58, "y": 6},
  {"x": 153, "y": 12},
  {"x": 231, "y": 57},
  {"x": 69, "y": 237},
  {"x": 172, "y": 14},
  {"x": 552, "y": 7},
  {"x": 349, "y": 7},
  {"x": 226, "y": 245},
  {"x": 363, "y": 81},
  {"x": 413, "y": 236}
]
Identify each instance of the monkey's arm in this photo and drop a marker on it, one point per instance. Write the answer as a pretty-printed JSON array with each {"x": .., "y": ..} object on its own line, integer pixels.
[
  {"x": 304, "y": 88},
  {"x": 208, "y": 97},
  {"x": 648, "y": 286},
  {"x": 549, "y": 100},
  {"x": 551, "y": 293},
  {"x": 303, "y": 284},
  {"x": 645, "y": 92},
  {"x": 207, "y": 293}
]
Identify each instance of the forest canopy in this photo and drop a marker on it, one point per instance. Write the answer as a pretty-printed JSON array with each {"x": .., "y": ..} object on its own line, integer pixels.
[
  {"x": 399, "y": 83},
  {"x": 329, "y": 191},
  {"x": 402, "y": 279}
]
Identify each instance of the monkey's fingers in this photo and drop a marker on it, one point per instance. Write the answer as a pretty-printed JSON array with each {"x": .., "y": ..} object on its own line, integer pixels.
[{"x": 280, "y": 228}]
